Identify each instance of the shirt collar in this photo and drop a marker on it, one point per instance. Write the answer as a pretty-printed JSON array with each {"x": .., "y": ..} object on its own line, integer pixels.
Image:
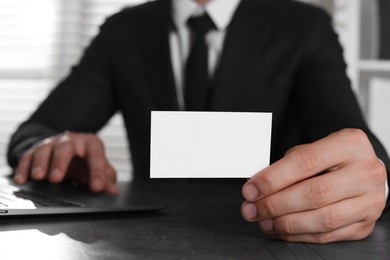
[{"x": 220, "y": 11}]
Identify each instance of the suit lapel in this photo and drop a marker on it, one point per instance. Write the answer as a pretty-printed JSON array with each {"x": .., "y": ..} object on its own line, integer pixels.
[
  {"x": 247, "y": 35},
  {"x": 154, "y": 41}
]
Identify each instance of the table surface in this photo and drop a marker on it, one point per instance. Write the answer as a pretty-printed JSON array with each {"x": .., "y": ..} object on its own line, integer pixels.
[{"x": 202, "y": 222}]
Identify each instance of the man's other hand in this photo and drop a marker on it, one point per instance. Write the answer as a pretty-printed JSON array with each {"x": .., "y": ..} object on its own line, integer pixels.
[{"x": 75, "y": 156}]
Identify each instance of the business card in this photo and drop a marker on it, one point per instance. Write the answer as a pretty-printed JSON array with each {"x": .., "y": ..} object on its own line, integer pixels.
[{"x": 209, "y": 144}]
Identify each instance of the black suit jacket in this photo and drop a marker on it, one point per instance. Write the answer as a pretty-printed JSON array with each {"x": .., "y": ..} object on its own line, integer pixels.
[{"x": 279, "y": 56}]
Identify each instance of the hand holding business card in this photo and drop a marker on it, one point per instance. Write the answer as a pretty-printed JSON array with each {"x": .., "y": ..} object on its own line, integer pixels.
[{"x": 209, "y": 144}]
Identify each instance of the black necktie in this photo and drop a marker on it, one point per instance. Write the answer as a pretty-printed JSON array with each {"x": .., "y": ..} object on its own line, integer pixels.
[{"x": 197, "y": 83}]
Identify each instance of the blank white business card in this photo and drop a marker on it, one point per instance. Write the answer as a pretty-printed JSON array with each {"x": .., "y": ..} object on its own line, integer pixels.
[{"x": 209, "y": 144}]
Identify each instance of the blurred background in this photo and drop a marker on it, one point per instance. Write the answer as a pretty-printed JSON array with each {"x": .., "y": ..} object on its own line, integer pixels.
[{"x": 40, "y": 40}]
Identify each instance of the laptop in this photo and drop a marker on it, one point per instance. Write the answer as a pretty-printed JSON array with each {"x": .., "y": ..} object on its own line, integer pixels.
[{"x": 44, "y": 198}]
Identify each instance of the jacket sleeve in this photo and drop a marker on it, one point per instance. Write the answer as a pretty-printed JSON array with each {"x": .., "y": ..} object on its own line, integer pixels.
[{"x": 82, "y": 102}]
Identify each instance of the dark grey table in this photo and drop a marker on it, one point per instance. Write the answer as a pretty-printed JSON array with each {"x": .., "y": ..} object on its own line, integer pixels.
[{"x": 203, "y": 222}]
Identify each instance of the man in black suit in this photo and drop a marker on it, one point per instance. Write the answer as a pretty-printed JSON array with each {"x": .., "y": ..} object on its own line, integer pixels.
[{"x": 264, "y": 55}]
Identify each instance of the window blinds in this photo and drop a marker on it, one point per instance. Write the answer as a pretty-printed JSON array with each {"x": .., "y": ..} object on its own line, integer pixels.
[{"x": 39, "y": 41}]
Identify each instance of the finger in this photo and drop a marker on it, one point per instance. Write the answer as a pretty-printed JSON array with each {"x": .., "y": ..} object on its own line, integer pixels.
[
  {"x": 23, "y": 169},
  {"x": 110, "y": 186},
  {"x": 327, "y": 219},
  {"x": 110, "y": 177},
  {"x": 334, "y": 150},
  {"x": 40, "y": 160},
  {"x": 322, "y": 190},
  {"x": 63, "y": 152},
  {"x": 356, "y": 231},
  {"x": 97, "y": 163}
]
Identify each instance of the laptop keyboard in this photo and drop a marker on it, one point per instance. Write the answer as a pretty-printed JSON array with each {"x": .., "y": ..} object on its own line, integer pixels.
[{"x": 14, "y": 197}]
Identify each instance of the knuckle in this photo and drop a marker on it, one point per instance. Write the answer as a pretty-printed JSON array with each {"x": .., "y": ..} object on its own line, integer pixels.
[
  {"x": 284, "y": 225},
  {"x": 318, "y": 194},
  {"x": 331, "y": 221},
  {"x": 269, "y": 208},
  {"x": 306, "y": 158},
  {"x": 65, "y": 137},
  {"x": 268, "y": 181},
  {"x": 355, "y": 136},
  {"x": 378, "y": 170},
  {"x": 44, "y": 143}
]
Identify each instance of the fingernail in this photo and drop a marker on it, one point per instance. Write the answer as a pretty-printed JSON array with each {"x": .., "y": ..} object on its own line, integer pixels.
[
  {"x": 249, "y": 211},
  {"x": 267, "y": 225},
  {"x": 54, "y": 174},
  {"x": 37, "y": 172},
  {"x": 18, "y": 178},
  {"x": 250, "y": 192}
]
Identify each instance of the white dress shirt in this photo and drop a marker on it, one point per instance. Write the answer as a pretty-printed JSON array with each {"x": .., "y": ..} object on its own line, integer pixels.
[{"x": 221, "y": 13}]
